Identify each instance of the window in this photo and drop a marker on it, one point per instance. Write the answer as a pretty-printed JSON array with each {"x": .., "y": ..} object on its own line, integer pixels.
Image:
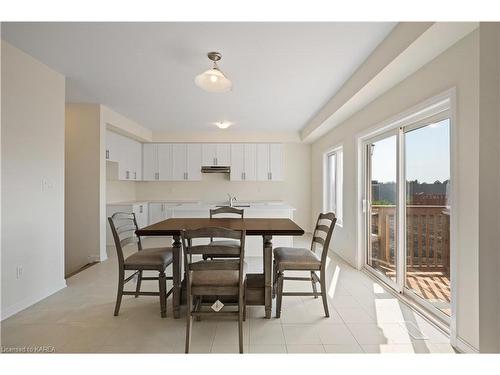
[{"x": 332, "y": 196}]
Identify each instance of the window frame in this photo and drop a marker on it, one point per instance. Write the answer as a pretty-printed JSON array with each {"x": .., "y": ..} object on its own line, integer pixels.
[{"x": 338, "y": 151}]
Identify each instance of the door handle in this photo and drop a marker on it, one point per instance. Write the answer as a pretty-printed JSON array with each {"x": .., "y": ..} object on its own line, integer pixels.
[
  {"x": 127, "y": 175},
  {"x": 135, "y": 175},
  {"x": 107, "y": 154}
]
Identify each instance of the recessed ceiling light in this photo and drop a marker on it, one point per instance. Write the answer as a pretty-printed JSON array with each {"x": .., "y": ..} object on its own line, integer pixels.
[
  {"x": 223, "y": 124},
  {"x": 213, "y": 80}
]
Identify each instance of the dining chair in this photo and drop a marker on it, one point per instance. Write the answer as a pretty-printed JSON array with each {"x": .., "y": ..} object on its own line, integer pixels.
[
  {"x": 214, "y": 278},
  {"x": 226, "y": 210},
  {"x": 302, "y": 259},
  {"x": 123, "y": 226}
]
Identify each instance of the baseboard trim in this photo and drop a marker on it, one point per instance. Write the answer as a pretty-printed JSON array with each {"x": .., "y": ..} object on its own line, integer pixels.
[
  {"x": 30, "y": 300},
  {"x": 464, "y": 347}
]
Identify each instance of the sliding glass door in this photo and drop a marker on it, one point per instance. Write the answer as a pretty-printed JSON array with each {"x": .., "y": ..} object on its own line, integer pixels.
[
  {"x": 407, "y": 186},
  {"x": 382, "y": 198},
  {"x": 427, "y": 175}
]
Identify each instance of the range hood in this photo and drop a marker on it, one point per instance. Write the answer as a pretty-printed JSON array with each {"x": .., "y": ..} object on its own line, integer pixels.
[{"x": 215, "y": 169}]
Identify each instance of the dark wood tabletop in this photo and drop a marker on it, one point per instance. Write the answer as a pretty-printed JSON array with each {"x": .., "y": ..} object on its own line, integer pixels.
[{"x": 253, "y": 226}]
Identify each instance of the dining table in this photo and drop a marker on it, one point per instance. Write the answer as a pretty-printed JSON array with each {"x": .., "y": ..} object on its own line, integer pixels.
[{"x": 259, "y": 285}]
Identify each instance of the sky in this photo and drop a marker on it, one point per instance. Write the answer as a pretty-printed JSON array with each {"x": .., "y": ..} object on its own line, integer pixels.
[{"x": 427, "y": 152}]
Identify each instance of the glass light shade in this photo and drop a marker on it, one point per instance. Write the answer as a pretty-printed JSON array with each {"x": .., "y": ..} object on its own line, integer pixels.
[
  {"x": 223, "y": 124},
  {"x": 213, "y": 80}
]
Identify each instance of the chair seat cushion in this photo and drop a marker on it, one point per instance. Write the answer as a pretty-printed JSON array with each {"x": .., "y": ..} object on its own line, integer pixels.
[
  {"x": 155, "y": 258},
  {"x": 217, "y": 278},
  {"x": 292, "y": 258}
]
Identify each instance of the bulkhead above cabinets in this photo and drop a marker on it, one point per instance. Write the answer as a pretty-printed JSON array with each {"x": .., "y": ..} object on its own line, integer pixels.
[{"x": 184, "y": 161}]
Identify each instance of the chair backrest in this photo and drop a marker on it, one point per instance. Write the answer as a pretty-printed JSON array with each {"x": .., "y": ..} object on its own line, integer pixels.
[
  {"x": 322, "y": 233},
  {"x": 123, "y": 226},
  {"x": 226, "y": 210},
  {"x": 234, "y": 251}
]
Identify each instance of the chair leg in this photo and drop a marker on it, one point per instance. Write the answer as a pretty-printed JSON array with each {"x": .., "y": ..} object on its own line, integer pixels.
[
  {"x": 245, "y": 302},
  {"x": 162, "y": 282},
  {"x": 138, "y": 286},
  {"x": 275, "y": 279},
  {"x": 314, "y": 284},
  {"x": 189, "y": 322},
  {"x": 323, "y": 292},
  {"x": 280, "y": 294},
  {"x": 199, "y": 301},
  {"x": 119, "y": 294},
  {"x": 240, "y": 319}
]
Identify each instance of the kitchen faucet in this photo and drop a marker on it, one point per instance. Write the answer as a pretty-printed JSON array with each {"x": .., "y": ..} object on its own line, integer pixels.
[{"x": 231, "y": 200}]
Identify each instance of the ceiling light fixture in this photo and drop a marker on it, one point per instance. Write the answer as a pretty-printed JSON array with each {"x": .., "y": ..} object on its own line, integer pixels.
[
  {"x": 213, "y": 80},
  {"x": 223, "y": 124}
]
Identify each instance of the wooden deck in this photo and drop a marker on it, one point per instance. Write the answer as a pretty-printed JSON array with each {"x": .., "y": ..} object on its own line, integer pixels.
[
  {"x": 432, "y": 285},
  {"x": 428, "y": 250}
]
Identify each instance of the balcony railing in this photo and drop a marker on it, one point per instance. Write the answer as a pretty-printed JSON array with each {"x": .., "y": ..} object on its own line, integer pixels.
[{"x": 428, "y": 240}]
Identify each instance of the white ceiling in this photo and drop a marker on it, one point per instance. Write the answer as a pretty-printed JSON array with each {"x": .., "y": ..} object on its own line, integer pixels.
[{"x": 282, "y": 73}]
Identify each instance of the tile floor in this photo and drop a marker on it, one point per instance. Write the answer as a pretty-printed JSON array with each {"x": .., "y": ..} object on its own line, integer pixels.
[{"x": 363, "y": 318}]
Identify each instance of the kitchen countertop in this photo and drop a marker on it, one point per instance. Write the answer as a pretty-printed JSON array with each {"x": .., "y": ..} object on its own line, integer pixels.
[{"x": 198, "y": 205}]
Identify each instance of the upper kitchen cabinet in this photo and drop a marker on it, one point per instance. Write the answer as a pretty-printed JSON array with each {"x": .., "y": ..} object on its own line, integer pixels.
[
  {"x": 127, "y": 153},
  {"x": 243, "y": 162},
  {"x": 186, "y": 162},
  {"x": 149, "y": 162},
  {"x": 157, "y": 161},
  {"x": 270, "y": 162},
  {"x": 164, "y": 162},
  {"x": 216, "y": 154}
]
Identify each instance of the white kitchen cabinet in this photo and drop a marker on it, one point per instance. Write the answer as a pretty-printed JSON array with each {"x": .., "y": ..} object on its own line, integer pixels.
[
  {"x": 179, "y": 155},
  {"x": 159, "y": 211},
  {"x": 270, "y": 162},
  {"x": 141, "y": 214},
  {"x": 193, "y": 164},
  {"x": 149, "y": 161},
  {"x": 186, "y": 162},
  {"x": 276, "y": 162},
  {"x": 157, "y": 161},
  {"x": 243, "y": 162},
  {"x": 216, "y": 154},
  {"x": 164, "y": 162},
  {"x": 127, "y": 153}
]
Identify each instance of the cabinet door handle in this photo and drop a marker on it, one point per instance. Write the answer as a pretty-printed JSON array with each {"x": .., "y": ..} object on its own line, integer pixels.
[
  {"x": 127, "y": 175},
  {"x": 162, "y": 207},
  {"x": 107, "y": 154},
  {"x": 140, "y": 209},
  {"x": 242, "y": 175},
  {"x": 135, "y": 175},
  {"x": 216, "y": 161}
]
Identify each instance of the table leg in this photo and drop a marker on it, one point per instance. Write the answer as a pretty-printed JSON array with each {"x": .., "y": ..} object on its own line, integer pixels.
[
  {"x": 176, "y": 274},
  {"x": 268, "y": 277}
]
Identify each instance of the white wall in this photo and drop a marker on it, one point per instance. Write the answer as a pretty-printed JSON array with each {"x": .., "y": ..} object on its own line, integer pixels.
[
  {"x": 456, "y": 67},
  {"x": 32, "y": 152},
  {"x": 83, "y": 174},
  {"x": 489, "y": 188}
]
